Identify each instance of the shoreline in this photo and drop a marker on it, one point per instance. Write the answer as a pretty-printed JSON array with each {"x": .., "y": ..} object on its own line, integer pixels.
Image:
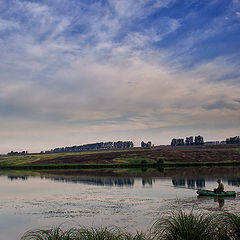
[
  {"x": 140, "y": 158},
  {"x": 122, "y": 166}
]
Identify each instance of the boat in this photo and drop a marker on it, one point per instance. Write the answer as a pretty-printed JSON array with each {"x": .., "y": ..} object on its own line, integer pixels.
[{"x": 212, "y": 193}]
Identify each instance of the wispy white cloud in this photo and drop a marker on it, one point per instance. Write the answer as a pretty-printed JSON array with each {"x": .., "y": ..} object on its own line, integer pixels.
[
  {"x": 67, "y": 77},
  {"x": 141, "y": 9}
]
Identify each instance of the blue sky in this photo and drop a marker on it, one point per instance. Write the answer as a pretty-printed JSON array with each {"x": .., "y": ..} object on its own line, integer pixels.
[{"x": 74, "y": 72}]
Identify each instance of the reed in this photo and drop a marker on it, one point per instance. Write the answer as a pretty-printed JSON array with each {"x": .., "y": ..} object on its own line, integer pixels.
[
  {"x": 56, "y": 233},
  {"x": 185, "y": 226},
  {"x": 228, "y": 225},
  {"x": 177, "y": 226}
]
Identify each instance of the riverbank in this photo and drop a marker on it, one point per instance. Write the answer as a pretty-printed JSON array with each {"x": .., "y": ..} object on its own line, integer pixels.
[{"x": 158, "y": 157}]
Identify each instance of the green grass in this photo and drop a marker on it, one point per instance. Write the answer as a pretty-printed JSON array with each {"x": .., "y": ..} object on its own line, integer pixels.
[
  {"x": 29, "y": 159},
  {"x": 18, "y": 160},
  {"x": 133, "y": 160},
  {"x": 131, "y": 170},
  {"x": 128, "y": 163}
]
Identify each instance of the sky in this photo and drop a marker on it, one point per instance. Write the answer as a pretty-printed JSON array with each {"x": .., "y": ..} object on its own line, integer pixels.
[{"x": 84, "y": 71}]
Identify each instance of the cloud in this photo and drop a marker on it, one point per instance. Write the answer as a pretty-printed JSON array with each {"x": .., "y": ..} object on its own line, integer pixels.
[
  {"x": 6, "y": 25},
  {"x": 221, "y": 105},
  {"x": 237, "y": 100},
  {"x": 73, "y": 71},
  {"x": 141, "y": 9}
]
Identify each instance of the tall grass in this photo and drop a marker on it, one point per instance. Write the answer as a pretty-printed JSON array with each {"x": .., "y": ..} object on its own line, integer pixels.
[
  {"x": 56, "y": 233},
  {"x": 178, "y": 226},
  {"x": 228, "y": 225},
  {"x": 184, "y": 226}
]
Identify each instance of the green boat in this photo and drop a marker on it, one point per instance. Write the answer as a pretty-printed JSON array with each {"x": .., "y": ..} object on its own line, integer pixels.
[{"x": 212, "y": 193}]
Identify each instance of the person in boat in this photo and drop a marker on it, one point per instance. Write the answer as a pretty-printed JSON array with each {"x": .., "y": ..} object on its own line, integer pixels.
[{"x": 220, "y": 187}]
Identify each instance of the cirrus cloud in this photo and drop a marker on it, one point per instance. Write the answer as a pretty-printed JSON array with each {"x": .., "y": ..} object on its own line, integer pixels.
[{"x": 77, "y": 72}]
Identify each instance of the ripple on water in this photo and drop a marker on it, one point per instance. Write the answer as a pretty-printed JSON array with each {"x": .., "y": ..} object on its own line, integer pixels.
[{"x": 131, "y": 208}]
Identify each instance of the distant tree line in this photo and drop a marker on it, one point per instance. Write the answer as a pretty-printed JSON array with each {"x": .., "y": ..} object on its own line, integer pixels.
[
  {"x": 198, "y": 140},
  {"x": 233, "y": 140},
  {"x": 94, "y": 146},
  {"x": 12, "y": 153},
  {"x": 146, "y": 145}
]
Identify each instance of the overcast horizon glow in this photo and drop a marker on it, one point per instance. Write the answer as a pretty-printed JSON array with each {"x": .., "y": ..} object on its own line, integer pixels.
[{"x": 75, "y": 72}]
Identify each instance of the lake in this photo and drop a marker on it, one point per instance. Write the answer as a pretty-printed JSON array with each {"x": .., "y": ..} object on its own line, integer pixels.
[{"x": 129, "y": 199}]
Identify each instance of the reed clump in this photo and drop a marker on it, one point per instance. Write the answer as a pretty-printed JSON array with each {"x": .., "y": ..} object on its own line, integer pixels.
[
  {"x": 56, "y": 233},
  {"x": 178, "y": 226},
  {"x": 228, "y": 226},
  {"x": 185, "y": 226}
]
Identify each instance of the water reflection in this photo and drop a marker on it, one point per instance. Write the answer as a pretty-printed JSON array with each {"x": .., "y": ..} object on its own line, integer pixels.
[
  {"x": 198, "y": 183},
  {"x": 17, "y": 177},
  {"x": 147, "y": 181},
  {"x": 98, "y": 181},
  {"x": 178, "y": 182},
  {"x": 129, "y": 199},
  {"x": 234, "y": 182},
  {"x": 191, "y": 183},
  {"x": 220, "y": 202}
]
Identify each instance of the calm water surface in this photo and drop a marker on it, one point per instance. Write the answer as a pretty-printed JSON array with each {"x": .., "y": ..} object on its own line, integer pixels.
[{"x": 131, "y": 201}]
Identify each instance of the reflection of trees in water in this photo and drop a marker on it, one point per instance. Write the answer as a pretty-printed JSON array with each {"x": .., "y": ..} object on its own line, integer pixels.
[
  {"x": 98, "y": 181},
  {"x": 181, "y": 182},
  {"x": 191, "y": 183},
  {"x": 17, "y": 177},
  {"x": 178, "y": 182},
  {"x": 146, "y": 181},
  {"x": 200, "y": 183},
  {"x": 234, "y": 182}
]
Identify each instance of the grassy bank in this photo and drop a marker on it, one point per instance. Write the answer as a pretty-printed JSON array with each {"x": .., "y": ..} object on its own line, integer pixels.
[
  {"x": 27, "y": 164},
  {"x": 130, "y": 158},
  {"x": 135, "y": 164},
  {"x": 178, "y": 226}
]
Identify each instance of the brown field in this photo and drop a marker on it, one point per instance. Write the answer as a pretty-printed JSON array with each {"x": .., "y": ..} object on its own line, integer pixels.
[{"x": 219, "y": 153}]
